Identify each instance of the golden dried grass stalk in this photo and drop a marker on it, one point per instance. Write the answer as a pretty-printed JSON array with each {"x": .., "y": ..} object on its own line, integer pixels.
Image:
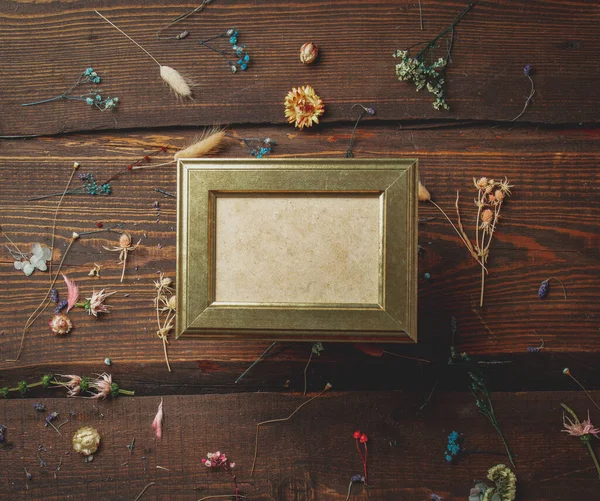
[{"x": 209, "y": 143}]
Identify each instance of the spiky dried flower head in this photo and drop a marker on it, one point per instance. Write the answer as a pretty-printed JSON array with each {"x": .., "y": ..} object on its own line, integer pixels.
[
  {"x": 481, "y": 183},
  {"x": 580, "y": 428},
  {"x": 86, "y": 440},
  {"x": 163, "y": 282},
  {"x": 487, "y": 216},
  {"x": 124, "y": 240},
  {"x": 95, "y": 304},
  {"x": 180, "y": 86},
  {"x": 303, "y": 106},
  {"x": 60, "y": 324},
  {"x": 499, "y": 195}
]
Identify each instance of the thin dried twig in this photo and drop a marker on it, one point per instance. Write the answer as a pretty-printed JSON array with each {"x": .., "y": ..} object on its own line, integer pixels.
[
  {"x": 327, "y": 387},
  {"x": 144, "y": 490}
]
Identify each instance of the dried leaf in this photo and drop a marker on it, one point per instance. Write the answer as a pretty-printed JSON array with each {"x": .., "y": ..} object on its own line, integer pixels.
[{"x": 72, "y": 292}]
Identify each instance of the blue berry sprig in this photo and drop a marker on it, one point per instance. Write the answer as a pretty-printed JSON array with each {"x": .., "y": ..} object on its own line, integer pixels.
[
  {"x": 92, "y": 98},
  {"x": 242, "y": 58}
]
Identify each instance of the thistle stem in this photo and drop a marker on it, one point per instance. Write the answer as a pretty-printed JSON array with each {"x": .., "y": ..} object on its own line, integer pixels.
[{"x": 594, "y": 458}]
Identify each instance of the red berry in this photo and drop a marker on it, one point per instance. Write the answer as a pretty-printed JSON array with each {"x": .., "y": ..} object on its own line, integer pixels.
[
  {"x": 129, "y": 167},
  {"x": 163, "y": 148},
  {"x": 357, "y": 434},
  {"x": 99, "y": 225},
  {"x": 147, "y": 158},
  {"x": 364, "y": 439}
]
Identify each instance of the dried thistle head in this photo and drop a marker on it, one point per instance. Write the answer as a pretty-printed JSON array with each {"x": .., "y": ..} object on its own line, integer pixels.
[
  {"x": 499, "y": 195},
  {"x": 163, "y": 283},
  {"x": 124, "y": 240},
  {"x": 480, "y": 183}
]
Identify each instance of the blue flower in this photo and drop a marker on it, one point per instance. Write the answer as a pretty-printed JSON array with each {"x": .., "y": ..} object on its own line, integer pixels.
[
  {"x": 448, "y": 458},
  {"x": 89, "y": 100},
  {"x": 89, "y": 71},
  {"x": 233, "y": 40},
  {"x": 247, "y": 58},
  {"x": 543, "y": 290},
  {"x": 240, "y": 61},
  {"x": 96, "y": 79},
  {"x": 243, "y": 66},
  {"x": 98, "y": 97}
]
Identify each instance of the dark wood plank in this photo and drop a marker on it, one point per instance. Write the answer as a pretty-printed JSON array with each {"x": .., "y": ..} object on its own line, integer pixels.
[
  {"x": 550, "y": 229},
  {"x": 311, "y": 457},
  {"x": 46, "y": 45}
]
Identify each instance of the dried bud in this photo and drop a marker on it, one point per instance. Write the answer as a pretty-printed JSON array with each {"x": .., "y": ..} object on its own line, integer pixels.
[
  {"x": 86, "y": 440},
  {"x": 481, "y": 183},
  {"x": 124, "y": 240},
  {"x": 424, "y": 194},
  {"x": 60, "y": 324},
  {"x": 499, "y": 194},
  {"x": 308, "y": 53},
  {"x": 487, "y": 216}
]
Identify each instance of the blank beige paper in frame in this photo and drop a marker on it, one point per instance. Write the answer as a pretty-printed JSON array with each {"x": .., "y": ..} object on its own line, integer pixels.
[{"x": 297, "y": 250}]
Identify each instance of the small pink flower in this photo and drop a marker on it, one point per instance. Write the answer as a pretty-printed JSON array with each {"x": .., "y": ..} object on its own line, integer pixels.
[
  {"x": 74, "y": 384},
  {"x": 95, "y": 304},
  {"x": 103, "y": 385},
  {"x": 580, "y": 429},
  {"x": 157, "y": 423}
]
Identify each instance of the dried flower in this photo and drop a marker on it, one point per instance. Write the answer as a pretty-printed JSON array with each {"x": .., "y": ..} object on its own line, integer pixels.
[
  {"x": 93, "y": 97},
  {"x": 86, "y": 440},
  {"x": 72, "y": 292},
  {"x": 424, "y": 194},
  {"x": 157, "y": 423},
  {"x": 210, "y": 142},
  {"x": 584, "y": 430},
  {"x": 2, "y": 432},
  {"x": 545, "y": 287},
  {"x": 303, "y": 107},
  {"x": 104, "y": 386},
  {"x": 163, "y": 283},
  {"x": 176, "y": 82},
  {"x": 29, "y": 262},
  {"x": 124, "y": 248},
  {"x": 240, "y": 54},
  {"x": 220, "y": 460},
  {"x": 505, "y": 484},
  {"x": 527, "y": 72},
  {"x": 95, "y": 271},
  {"x": 39, "y": 407},
  {"x": 95, "y": 304},
  {"x": 75, "y": 384},
  {"x": 60, "y": 324},
  {"x": 361, "y": 438},
  {"x": 580, "y": 428},
  {"x": 308, "y": 53},
  {"x": 416, "y": 68},
  {"x": 454, "y": 446}
]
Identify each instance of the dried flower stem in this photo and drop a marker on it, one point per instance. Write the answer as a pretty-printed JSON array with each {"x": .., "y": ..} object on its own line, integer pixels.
[
  {"x": 46, "y": 301},
  {"x": 144, "y": 490},
  {"x": 181, "y": 18},
  {"x": 327, "y": 387},
  {"x": 221, "y": 496},
  {"x": 363, "y": 112},
  {"x": 407, "y": 357},
  {"x": 527, "y": 100},
  {"x": 305, "y": 369},
  {"x": 567, "y": 372},
  {"x": 264, "y": 354},
  {"x": 12, "y": 243}
]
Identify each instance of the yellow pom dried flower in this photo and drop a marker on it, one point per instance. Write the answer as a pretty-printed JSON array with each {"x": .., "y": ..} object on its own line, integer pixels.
[
  {"x": 308, "y": 53},
  {"x": 86, "y": 440},
  {"x": 303, "y": 106}
]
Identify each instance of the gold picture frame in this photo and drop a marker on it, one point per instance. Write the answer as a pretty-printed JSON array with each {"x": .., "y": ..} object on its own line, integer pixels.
[{"x": 356, "y": 289}]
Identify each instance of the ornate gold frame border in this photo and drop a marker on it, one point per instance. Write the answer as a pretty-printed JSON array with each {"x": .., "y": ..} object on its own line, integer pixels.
[{"x": 393, "y": 319}]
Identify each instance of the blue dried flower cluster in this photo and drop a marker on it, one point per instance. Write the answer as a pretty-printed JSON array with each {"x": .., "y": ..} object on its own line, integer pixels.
[
  {"x": 92, "y": 186},
  {"x": 239, "y": 51},
  {"x": 266, "y": 146},
  {"x": 543, "y": 290},
  {"x": 453, "y": 447}
]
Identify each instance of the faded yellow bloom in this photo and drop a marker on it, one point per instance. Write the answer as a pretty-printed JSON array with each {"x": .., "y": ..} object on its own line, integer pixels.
[
  {"x": 303, "y": 107},
  {"x": 86, "y": 440}
]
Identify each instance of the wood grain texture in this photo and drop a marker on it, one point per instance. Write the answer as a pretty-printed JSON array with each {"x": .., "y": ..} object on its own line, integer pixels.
[
  {"x": 550, "y": 229},
  {"x": 44, "y": 46},
  {"x": 311, "y": 457}
]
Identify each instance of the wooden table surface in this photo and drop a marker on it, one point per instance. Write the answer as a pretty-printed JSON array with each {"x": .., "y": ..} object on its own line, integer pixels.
[{"x": 550, "y": 228}]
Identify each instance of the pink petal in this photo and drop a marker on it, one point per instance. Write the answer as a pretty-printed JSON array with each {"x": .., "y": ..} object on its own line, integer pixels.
[
  {"x": 72, "y": 292},
  {"x": 157, "y": 423}
]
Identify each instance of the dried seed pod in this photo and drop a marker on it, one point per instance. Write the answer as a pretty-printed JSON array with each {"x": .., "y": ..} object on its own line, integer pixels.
[{"x": 308, "y": 53}]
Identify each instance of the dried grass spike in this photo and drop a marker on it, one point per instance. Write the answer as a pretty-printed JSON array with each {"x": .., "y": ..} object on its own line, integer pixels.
[
  {"x": 176, "y": 82},
  {"x": 210, "y": 142},
  {"x": 424, "y": 194}
]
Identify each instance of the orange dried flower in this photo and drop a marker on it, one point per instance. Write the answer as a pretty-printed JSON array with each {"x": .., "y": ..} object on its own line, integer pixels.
[
  {"x": 487, "y": 216},
  {"x": 303, "y": 106}
]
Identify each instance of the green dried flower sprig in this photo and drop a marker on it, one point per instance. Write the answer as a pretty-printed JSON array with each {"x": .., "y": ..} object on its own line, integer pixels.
[{"x": 424, "y": 69}]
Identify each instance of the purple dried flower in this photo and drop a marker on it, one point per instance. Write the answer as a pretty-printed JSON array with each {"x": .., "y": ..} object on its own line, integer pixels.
[
  {"x": 39, "y": 407},
  {"x": 533, "y": 349},
  {"x": 370, "y": 111},
  {"x": 54, "y": 295},
  {"x": 357, "y": 478},
  {"x": 435, "y": 497},
  {"x": 61, "y": 306},
  {"x": 527, "y": 70},
  {"x": 543, "y": 290},
  {"x": 51, "y": 417},
  {"x": 2, "y": 431}
]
